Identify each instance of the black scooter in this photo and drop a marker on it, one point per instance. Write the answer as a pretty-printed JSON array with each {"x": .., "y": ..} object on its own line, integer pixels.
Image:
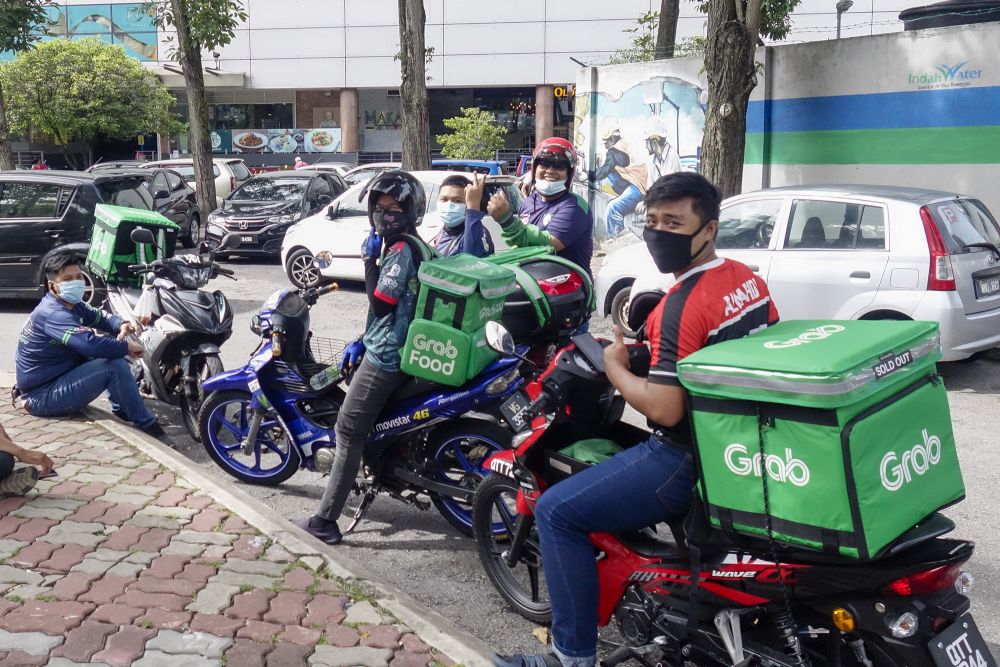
[{"x": 180, "y": 326}]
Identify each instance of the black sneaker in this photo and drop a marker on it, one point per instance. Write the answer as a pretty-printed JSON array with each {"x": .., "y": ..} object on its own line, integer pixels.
[
  {"x": 156, "y": 431},
  {"x": 21, "y": 480},
  {"x": 547, "y": 660},
  {"x": 118, "y": 413},
  {"x": 320, "y": 528}
]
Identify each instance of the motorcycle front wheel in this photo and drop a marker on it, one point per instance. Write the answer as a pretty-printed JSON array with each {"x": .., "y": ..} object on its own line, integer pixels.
[
  {"x": 224, "y": 423},
  {"x": 523, "y": 585},
  {"x": 202, "y": 368},
  {"x": 458, "y": 452}
]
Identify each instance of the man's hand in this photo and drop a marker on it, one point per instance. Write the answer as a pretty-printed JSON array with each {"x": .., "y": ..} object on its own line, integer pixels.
[
  {"x": 474, "y": 192},
  {"x": 37, "y": 458},
  {"x": 126, "y": 330},
  {"x": 616, "y": 354},
  {"x": 498, "y": 207},
  {"x": 135, "y": 350}
]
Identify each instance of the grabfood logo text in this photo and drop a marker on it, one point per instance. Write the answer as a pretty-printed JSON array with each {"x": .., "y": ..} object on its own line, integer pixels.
[
  {"x": 808, "y": 336},
  {"x": 789, "y": 469},
  {"x": 898, "y": 470},
  {"x": 434, "y": 355}
]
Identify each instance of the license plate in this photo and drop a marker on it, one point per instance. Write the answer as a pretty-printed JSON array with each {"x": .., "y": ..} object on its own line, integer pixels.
[
  {"x": 246, "y": 239},
  {"x": 512, "y": 408},
  {"x": 961, "y": 645},
  {"x": 987, "y": 287}
]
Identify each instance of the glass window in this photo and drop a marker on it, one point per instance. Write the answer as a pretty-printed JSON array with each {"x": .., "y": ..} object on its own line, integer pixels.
[
  {"x": 129, "y": 192},
  {"x": 829, "y": 225},
  {"x": 240, "y": 170},
  {"x": 159, "y": 183},
  {"x": 319, "y": 188},
  {"x": 748, "y": 224},
  {"x": 871, "y": 230},
  {"x": 187, "y": 171},
  {"x": 28, "y": 200},
  {"x": 174, "y": 181},
  {"x": 272, "y": 189},
  {"x": 963, "y": 222},
  {"x": 349, "y": 204}
]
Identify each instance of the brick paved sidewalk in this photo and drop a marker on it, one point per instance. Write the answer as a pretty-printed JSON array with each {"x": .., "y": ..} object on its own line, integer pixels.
[{"x": 117, "y": 562}]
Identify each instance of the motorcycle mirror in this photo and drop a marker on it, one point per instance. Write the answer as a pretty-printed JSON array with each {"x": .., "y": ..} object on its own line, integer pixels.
[
  {"x": 229, "y": 242},
  {"x": 323, "y": 260},
  {"x": 499, "y": 339},
  {"x": 142, "y": 235}
]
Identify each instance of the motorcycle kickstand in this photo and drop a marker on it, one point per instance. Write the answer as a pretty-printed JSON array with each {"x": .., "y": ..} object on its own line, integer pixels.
[{"x": 366, "y": 502}]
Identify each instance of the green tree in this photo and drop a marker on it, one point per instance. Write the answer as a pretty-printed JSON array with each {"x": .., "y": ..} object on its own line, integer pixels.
[
  {"x": 735, "y": 28},
  {"x": 643, "y": 46},
  {"x": 79, "y": 90},
  {"x": 475, "y": 135},
  {"x": 201, "y": 25},
  {"x": 21, "y": 24}
]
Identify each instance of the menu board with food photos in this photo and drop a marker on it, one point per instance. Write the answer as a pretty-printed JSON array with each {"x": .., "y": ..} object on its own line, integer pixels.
[{"x": 318, "y": 140}]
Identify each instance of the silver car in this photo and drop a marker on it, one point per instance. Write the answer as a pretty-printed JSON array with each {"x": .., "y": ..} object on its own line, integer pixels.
[{"x": 857, "y": 252}]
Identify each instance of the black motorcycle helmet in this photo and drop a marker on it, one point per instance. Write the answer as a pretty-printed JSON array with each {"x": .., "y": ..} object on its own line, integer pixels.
[{"x": 405, "y": 189}]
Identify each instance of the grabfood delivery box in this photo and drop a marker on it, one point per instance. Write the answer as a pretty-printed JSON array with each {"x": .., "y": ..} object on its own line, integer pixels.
[
  {"x": 111, "y": 248},
  {"x": 458, "y": 296},
  {"x": 844, "y": 425}
]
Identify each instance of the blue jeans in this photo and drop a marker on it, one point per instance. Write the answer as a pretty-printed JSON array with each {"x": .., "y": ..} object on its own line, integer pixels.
[
  {"x": 639, "y": 487},
  {"x": 75, "y": 390},
  {"x": 621, "y": 206}
]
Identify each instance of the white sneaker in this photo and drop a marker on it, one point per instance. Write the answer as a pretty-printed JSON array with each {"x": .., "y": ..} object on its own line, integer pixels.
[{"x": 20, "y": 481}]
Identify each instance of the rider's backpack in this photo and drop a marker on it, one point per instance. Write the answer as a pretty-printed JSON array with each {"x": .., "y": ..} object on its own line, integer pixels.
[
  {"x": 111, "y": 248},
  {"x": 840, "y": 429},
  {"x": 446, "y": 343}
]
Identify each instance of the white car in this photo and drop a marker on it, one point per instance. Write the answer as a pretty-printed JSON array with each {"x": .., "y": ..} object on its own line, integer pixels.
[
  {"x": 365, "y": 172},
  {"x": 340, "y": 168},
  {"x": 344, "y": 233},
  {"x": 230, "y": 173},
  {"x": 854, "y": 252}
]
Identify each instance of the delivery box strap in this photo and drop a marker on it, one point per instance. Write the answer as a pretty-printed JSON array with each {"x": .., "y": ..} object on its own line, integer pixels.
[
  {"x": 831, "y": 540},
  {"x": 769, "y": 411},
  {"x": 436, "y": 296}
]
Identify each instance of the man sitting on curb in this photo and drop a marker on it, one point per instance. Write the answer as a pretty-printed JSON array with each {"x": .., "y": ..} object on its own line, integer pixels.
[
  {"x": 63, "y": 364},
  {"x": 18, "y": 480}
]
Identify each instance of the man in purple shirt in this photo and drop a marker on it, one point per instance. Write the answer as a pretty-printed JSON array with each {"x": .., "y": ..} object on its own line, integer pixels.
[{"x": 552, "y": 214}]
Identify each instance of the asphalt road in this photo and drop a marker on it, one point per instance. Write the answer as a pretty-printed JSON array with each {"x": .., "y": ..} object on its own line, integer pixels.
[{"x": 419, "y": 552}]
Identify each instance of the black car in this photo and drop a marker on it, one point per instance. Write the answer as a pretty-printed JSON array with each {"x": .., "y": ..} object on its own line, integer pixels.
[
  {"x": 261, "y": 210},
  {"x": 43, "y": 212},
  {"x": 173, "y": 198}
]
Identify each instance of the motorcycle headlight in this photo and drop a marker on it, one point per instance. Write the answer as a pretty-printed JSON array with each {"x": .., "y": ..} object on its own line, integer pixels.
[
  {"x": 283, "y": 219},
  {"x": 501, "y": 384},
  {"x": 905, "y": 626}
]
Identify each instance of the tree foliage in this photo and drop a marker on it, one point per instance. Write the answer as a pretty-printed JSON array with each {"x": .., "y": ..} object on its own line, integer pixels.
[
  {"x": 772, "y": 18},
  {"x": 21, "y": 24},
  {"x": 78, "y": 90},
  {"x": 475, "y": 135},
  {"x": 644, "y": 43}
]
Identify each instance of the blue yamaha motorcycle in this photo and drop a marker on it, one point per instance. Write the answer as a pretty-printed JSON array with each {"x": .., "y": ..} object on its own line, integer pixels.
[{"x": 262, "y": 422}]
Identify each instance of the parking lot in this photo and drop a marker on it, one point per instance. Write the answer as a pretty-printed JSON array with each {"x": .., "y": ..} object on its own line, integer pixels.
[{"x": 422, "y": 554}]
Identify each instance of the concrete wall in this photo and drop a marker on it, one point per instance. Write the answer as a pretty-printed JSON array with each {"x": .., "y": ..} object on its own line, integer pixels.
[{"x": 919, "y": 109}]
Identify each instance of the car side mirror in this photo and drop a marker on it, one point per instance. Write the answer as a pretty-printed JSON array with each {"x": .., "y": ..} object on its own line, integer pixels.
[
  {"x": 161, "y": 194},
  {"x": 332, "y": 210}
]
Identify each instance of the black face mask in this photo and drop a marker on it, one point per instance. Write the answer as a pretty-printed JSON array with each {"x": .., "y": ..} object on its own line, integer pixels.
[
  {"x": 389, "y": 223},
  {"x": 671, "y": 251}
]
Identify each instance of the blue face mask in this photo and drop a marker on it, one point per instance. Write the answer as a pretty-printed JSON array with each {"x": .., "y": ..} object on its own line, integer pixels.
[
  {"x": 452, "y": 215},
  {"x": 549, "y": 188},
  {"x": 71, "y": 291}
]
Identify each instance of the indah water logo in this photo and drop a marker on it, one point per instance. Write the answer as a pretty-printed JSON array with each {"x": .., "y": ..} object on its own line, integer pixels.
[
  {"x": 896, "y": 471},
  {"x": 808, "y": 336},
  {"x": 434, "y": 355},
  {"x": 789, "y": 469},
  {"x": 946, "y": 76}
]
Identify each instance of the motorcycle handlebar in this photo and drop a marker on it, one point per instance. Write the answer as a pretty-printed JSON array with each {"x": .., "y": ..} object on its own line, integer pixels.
[
  {"x": 326, "y": 289},
  {"x": 537, "y": 406},
  {"x": 135, "y": 268},
  {"x": 224, "y": 272}
]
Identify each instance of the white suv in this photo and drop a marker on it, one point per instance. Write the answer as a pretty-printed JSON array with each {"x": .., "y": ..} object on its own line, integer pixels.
[
  {"x": 230, "y": 173},
  {"x": 857, "y": 252}
]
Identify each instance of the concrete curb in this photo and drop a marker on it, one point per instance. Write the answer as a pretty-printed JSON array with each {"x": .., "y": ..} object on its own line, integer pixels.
[{"x": 433, "y": 628}]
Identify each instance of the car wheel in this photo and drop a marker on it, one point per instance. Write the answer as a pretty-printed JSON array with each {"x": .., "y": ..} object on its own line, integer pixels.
[
  {"x": 193, "y": 236},
  {"x": 619, "y": 310},
  {"x": 94, "y": 291},
  {"x": 300, "y": 269}
]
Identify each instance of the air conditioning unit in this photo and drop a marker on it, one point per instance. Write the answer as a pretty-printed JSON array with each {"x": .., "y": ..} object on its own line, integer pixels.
[{"x": 392, "y": 93}]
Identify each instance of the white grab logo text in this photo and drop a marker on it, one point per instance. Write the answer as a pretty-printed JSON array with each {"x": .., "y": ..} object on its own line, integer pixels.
[
  {"x": 789, "y": 469},
  {"x": 897, "y": 471},
  {"x": 807, "y": 336},
  {"x": 424, "y": 346}
]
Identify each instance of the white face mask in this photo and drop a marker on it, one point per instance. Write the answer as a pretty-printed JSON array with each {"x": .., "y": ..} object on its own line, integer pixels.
[
  {"x": 452, "y": 214},
  {"x": 550, "y": 188}
]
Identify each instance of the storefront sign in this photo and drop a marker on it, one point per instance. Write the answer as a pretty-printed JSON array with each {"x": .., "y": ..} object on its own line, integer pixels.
[
  {"x": 562, "y": 92},
  {"x": 383, "y": 120},
  {"x": 318, "y": 140}
]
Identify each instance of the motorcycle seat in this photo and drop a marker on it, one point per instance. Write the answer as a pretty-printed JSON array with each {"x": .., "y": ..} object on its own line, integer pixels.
[
  {"x": 650, "y": 543},
  {"x": 413, "y": 387}
]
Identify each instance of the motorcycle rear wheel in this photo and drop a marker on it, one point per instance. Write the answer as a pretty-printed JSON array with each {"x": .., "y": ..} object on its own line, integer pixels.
[
  {"x": 522, "y": 586},
  {"x": 223, "y": 423},
  {"x": 458, "y": 453},
  {"x": 202, "y": 368}
]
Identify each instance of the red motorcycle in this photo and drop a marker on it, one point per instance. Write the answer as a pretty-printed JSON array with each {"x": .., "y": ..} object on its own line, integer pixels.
[{"x": 726, "y": 601}]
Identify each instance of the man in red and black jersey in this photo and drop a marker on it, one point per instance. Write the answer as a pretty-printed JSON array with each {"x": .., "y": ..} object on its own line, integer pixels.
[{"x": 713, "y": 300}]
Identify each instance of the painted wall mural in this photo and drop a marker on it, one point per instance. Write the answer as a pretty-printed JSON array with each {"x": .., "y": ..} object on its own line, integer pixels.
[
  {"x": 648, "y": 124},
  {"x": 126, "y": 24}
]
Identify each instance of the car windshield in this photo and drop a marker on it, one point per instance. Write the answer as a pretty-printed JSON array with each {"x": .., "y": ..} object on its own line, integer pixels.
[
  {"x": 187, "y": 171},
  {"x": 964, "y": 222},
  {"x": 131, "y": 192},
  {"x": 271, "y": 189}
]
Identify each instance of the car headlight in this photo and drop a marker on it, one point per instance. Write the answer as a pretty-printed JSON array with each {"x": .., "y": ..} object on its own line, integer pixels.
[
  {"x": 215, "y": 217},
  {"x": 283, "y": 219},
  {"x": 216, "y": 230}
]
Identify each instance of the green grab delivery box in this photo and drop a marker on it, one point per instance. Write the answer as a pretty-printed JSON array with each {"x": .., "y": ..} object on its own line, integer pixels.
[
  {"x": 112, "y": 249},
  {"x": 463, "y": 291},
  {"x": 844, "y": 425},
  {"x": 440, "y": 353}
]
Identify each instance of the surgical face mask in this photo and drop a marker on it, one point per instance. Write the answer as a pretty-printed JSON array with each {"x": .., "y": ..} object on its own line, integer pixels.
[
  {"x": 550, "y": 188},
  {"x": 671, "y": 251},
  {"x": 71, "y": 291},
  {"x": 452, "y": 214}
]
